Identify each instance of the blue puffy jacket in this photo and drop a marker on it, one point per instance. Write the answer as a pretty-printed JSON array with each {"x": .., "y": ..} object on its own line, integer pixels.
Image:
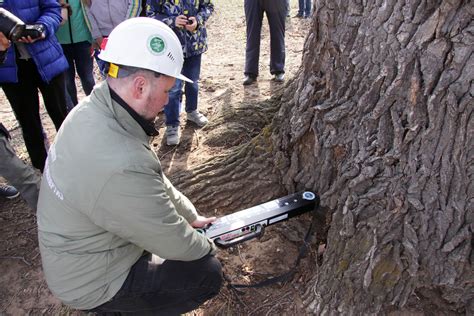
[{"x": 47, "y": 54}]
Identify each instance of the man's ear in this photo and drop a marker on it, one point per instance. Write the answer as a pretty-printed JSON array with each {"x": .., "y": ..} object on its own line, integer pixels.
[{"x": 139, "y": 87}]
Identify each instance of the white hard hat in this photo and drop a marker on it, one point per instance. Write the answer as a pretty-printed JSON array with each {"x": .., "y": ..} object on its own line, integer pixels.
[{"x": 147, "y": 44}]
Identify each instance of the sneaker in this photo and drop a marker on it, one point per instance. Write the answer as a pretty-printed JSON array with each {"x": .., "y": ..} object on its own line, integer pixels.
[
  {"x": 279, "y": 77},
  {"x": 248, "y": 80},
  {"x": 8, "y": 191},
  {"x": 197, "y": 118},
  {"x": 172, "y": 135}
]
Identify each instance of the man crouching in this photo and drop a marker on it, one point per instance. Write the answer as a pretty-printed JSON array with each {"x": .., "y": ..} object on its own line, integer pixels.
[{"x": 105, "y": 205}]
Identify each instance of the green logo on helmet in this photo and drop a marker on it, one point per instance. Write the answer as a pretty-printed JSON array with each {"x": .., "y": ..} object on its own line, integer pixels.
[{"x": 156, "y": 45}]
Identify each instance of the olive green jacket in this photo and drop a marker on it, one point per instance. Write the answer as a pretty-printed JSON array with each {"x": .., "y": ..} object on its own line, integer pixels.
[{"x": 104, "y": 200}]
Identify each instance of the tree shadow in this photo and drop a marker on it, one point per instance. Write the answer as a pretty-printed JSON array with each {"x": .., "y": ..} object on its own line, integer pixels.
[
  {"x": 252, "y": 92},
  {"x": 276, "y": 87}
]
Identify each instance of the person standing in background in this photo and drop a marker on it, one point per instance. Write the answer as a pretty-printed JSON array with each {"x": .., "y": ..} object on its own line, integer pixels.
[
  {"x": 32, "y": 64},
  {"x": 188, "y": 19},
  {"x": 12, "y": 168},
  {"x": 304, "y": 10},
  {"x": 275, "y": 11},
  {"x": 24, "y": 179},
  {"x": 75, "y": 39},
  {"x": 103, "y": 16}
]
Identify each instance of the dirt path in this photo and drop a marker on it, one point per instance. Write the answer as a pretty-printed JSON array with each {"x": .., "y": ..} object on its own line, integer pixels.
[{"x": 22, "y": 287}]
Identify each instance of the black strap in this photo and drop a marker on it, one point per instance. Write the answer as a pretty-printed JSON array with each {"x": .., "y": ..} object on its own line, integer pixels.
[
  {"x": 4, "y": 131},
  {"x": 3, "y": 56},
  {"x": 289, "y": 274}
]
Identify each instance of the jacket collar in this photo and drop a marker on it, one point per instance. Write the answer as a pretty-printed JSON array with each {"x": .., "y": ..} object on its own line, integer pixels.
[
  {"x": 122, "y": 113},
  {"x": 148, "y": 126}
]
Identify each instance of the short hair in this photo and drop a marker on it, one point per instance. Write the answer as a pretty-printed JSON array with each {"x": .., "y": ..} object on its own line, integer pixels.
[{"x": 123, "y": 71}]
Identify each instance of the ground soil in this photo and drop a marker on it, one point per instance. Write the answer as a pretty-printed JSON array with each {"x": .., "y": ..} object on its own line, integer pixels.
[{"x": 23, "y": 289}]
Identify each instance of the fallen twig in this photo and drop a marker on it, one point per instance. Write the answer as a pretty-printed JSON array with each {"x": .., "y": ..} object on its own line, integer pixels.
[
  {"x": 197, "y": 140},
  {"x": 166, "y": 153},
  {"x": 18, "y": 258}
]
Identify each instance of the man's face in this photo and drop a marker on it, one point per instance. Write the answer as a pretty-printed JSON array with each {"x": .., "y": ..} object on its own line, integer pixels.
[{"x": 158, "y": 96}]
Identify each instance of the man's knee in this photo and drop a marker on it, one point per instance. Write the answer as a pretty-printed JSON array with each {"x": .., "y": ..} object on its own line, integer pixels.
[{"x": 213, "y": 274}]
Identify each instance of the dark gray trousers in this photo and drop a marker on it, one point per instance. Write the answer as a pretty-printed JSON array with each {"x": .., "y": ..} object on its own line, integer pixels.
[
  {"x": 275, "y": 11},
  {"x": 171, "y": 288},
  {"x": 18, "y": 174}
]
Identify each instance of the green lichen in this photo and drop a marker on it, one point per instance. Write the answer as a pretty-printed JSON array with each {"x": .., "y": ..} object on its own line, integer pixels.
[
  {"x": 342, "y": 266},
  {"x": 267, "y": 132},
  {"x": 386, "y": 273}
]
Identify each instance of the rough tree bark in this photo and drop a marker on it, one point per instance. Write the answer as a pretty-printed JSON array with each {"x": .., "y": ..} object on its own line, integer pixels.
[{"x": 380, "y": 122}]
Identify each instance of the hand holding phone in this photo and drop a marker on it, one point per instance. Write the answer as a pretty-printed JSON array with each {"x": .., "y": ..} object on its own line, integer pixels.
[
  {"x": 181, "y": 21},
  {"x": 32, "y": 33},
  {"x": 191, "y": 24}
]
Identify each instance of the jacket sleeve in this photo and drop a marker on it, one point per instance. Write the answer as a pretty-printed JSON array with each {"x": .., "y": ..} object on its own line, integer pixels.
[
  {"x": 183, "y": 205},
  {"x": 50, "y": 16},
  {"x": 85, "y": 9},
  {"x": 156, "y": 9},
  {"x": 135, "y": 205},
  {"x": 206, "y": 7},
  {"x": 91, "y": 21},
  {"x": 134, "y": 9}
]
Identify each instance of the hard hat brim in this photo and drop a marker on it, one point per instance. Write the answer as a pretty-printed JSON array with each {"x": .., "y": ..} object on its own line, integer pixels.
[{"x": 181, "y": 77}]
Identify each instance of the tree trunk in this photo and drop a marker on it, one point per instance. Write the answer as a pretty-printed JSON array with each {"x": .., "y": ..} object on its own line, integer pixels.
[
  {"x": 380, "y": 122},
  {"x": 382, "y": 125}
]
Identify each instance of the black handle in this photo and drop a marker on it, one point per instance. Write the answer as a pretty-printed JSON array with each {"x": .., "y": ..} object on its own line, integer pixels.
[{"x": 259, "y": 230}]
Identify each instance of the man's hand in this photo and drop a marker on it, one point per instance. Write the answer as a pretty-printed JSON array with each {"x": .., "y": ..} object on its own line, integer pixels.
[
  {"x": 191, "y": 27},
  {"x": 97, "y": 43},
  {"x": 29, "y": 40},
  {"x": 4, "y": 42},
  {"x": 202, "y": 221},
  {"x": 181, "y": 21}
]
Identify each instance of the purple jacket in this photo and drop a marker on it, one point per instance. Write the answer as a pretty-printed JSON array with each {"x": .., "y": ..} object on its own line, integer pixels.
[{"x": 47, "y": 54}]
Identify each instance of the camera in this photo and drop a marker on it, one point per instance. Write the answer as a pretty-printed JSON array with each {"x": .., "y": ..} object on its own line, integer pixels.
[
  {"x": 189, "y": 22},
  {"x": 33, "y": 30},
  {"x": 10, "y": 25},
  {"x": 14, "y": 28}
]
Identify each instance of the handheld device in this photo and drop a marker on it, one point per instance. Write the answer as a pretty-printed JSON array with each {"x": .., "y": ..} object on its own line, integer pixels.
[
  {"x": 250, "y": 223},
  {"x": 33, "y": 30},
  {"x": 10, "y": 25},
  {"x": 14, "y": 28}
]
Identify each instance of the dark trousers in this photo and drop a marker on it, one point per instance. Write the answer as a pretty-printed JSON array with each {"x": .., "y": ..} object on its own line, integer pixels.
[
  {"x": 304, "y": 8},
  {"x": 78, "y": 56},
  {"x": 24, "y": 100},
  {"x": 170, "y": 288},
  {"x": 192, "y": 70},
  {"x": 275, "y": 11},
  {"x": 18, "y": 174},
  {"x": 100, "y": 64}
]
